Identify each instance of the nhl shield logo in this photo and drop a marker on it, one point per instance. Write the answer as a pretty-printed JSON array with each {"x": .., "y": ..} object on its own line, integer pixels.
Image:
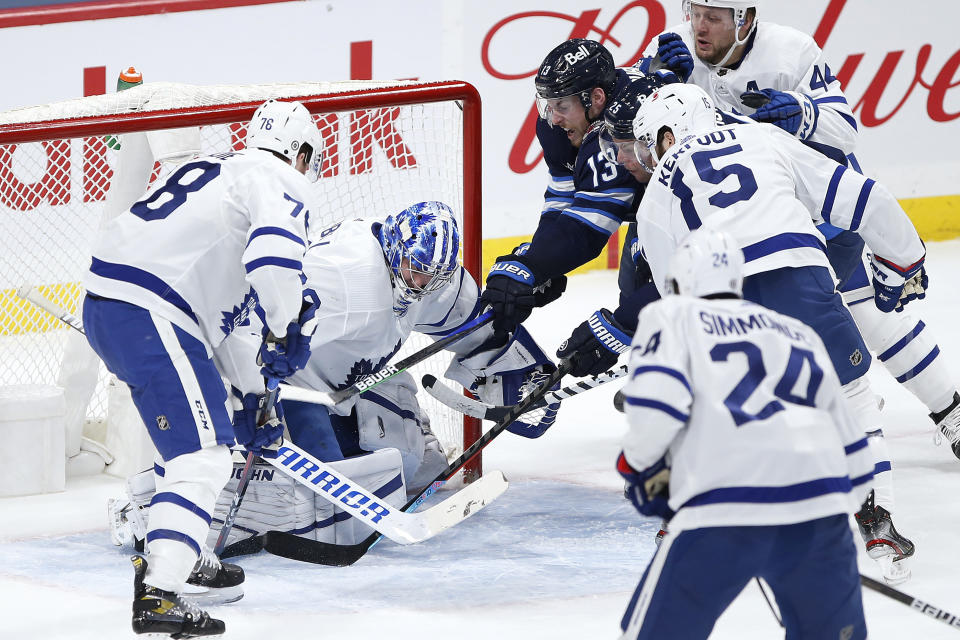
[
  {"x": 162, "y": 423},
  {"x": 856, "y": 357}
]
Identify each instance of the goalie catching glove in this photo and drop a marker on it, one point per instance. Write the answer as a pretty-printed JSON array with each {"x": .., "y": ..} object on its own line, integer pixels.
[
  {"x": 250, "y": 434},
  {"x": 648, "y": 490},
  {"x": 503, "y": 374},
  {"x": 895, "y": 286},
  {"x": 597, "y": 344}
]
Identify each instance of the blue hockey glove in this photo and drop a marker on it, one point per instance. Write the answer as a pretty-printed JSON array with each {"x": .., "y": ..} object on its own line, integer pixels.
[
  {"x": 648, "y": 490},
  {"x": 249, "y": 433},
  {"x": 795, "y": 113},
  {"x": 510, "y": 292},
  {"x": 675, "y": 56},
  {"x": 597, "y": 343},
  {"x": 895, "y": 286},
  {"x": 279, "y": 358}
]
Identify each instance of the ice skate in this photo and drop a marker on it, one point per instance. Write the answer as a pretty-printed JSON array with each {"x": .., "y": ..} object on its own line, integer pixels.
[
  {"x": 214, "y": 582},
  {"x": 159, "y": 613},
  {"x": 948, "y": 425},
  {"x": 884, "y": 544}
]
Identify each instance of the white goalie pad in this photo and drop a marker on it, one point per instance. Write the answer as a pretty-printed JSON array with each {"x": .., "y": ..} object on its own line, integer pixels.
[{"x": 273, "y": 502}]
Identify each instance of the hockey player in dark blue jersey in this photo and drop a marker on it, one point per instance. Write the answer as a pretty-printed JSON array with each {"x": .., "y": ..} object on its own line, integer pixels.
[{"x": 588, "y": 197}]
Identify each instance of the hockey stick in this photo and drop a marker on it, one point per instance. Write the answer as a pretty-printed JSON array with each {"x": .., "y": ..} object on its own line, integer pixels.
[
  {"x": 485, "y": 411},
  {"x": 368, "y": 382},
  {"x": 923, "y": 607},
  {"x": 399, "y": 526},
  {"x": 271, "y": 399},
  {"x": 32, "y": 294},
  {"x": 294, "y": 547}
]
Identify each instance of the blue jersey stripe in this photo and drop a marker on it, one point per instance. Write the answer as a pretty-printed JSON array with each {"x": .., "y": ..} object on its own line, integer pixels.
[
  {"x": 831, "y": 196},
  {"x": 861, "y": 204},
  {"x": 882, "y": 466},
  {"x": 659, "y": 406},
  {"x": 856, "y": 446},
  {"x": 831, "y": 100},
  {"x": 180, "y": 501},
  {"x": 770, "y": 495},
  {"x": 274, "y": 261},
  {"x": 170, "y": 534},
  {"x": 781, "y": 242},
  {"x": 902, "y": 342},
  {"x": 144, "y": 279},
  {"x": 923, "y": 364},
  {"x": 276, "y": 231},
  {"x": 659, "y": 369},
  {"x": 859, "y": 480}
]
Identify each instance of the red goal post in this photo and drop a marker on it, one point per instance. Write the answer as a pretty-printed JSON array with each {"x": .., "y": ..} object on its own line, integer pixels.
[{"x": 387, "y": 145}]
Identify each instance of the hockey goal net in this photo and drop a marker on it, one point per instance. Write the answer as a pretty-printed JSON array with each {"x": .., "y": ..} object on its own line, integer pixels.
[{"x": 387, "y": 146}]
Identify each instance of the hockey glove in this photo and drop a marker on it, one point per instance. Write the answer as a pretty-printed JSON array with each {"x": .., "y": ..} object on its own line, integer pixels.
[
  {"x": 795, "y": 113},
  {"x": 279, "y": 358},
  {"x": 648, "y": 490},
  {"x": 675, "y": 56},
  {"x": 510, "y": 292},
  {"x": 549, "y": 291},
  {"x": 597, "y": 343},
  {"x": 895, "y": 286},
  {"x": 251, "y": 435}
]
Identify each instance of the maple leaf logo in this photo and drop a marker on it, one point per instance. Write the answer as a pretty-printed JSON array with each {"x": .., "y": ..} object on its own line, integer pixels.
[
  {"x": 239, "y": 316},
  {"x": 364, "y": 367}
]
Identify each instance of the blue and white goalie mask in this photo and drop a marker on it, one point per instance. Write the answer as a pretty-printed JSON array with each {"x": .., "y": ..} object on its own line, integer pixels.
[{"x": 421, "y": 245}]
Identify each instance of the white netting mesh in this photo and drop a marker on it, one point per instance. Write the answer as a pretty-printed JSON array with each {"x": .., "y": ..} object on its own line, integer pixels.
[{"x": 52, "y": 195}]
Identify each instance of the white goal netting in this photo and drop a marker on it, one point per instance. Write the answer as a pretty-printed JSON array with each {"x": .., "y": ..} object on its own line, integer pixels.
[{"x": 387, "y": 145}]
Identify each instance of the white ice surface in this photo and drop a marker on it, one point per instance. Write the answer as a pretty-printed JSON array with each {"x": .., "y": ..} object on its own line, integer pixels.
[{"x": 555, "y": 557}]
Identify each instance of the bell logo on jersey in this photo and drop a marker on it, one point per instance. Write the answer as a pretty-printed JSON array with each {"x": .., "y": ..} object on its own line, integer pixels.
[{"x": 580, "y": 54}]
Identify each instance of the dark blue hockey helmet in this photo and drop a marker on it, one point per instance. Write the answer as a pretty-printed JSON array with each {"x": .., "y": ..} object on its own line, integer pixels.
[
  {"x": 616, "y": 139},
  {"x": 574, "y": 67}
]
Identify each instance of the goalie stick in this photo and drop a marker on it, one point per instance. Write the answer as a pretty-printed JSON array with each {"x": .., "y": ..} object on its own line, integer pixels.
[
  {"x": 368, "y": 382},
  {"x": 294, "y": 547},
  {"x": 485, "y": 411}
]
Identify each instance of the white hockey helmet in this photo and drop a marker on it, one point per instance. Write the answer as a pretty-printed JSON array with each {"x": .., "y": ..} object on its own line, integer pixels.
[
  {"x": 706, "y": 262},
  {"x": 284, "y": 127},
  {"x": 682, "y": 108}
]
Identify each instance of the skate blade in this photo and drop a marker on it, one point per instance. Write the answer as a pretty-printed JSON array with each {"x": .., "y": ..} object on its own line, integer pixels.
[
  {"x": 204, "y": 597},
  {"x": 894, "y": 572}
]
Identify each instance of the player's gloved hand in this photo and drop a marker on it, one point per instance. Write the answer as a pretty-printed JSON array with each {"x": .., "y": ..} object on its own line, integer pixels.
[
  {"x": 895, "y": 286},
  {"x": 254, "y": 431},
  {"x": 279, "y": 358},
  {"x": 675, "y": 56},
  {"x": 510, "y": 292},
  {"x": 549, "y": 291},
  {"x": 796, "y": 113},
  {"x": 648, "y": 490},
  {"x": 597, "y": 343}
]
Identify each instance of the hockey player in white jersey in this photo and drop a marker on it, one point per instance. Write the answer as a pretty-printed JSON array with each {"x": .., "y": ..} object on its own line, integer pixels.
[
  {"x": 740, "y": 435},
  {"x": 766, "y": 190},
  {"x": 776, "y": 74},
  {"x": 375, "y": 282},
  {"x": 169, "y": 280}
]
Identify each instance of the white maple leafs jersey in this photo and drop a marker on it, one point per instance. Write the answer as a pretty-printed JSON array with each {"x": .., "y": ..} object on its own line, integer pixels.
[
  {"x": 767, "y": 190},
  {"x": 201, "y": 247},
  {"x": 357, "y": 329},
  {"x": 782, "y": 58},
  {"x": 745, "y": 404}
]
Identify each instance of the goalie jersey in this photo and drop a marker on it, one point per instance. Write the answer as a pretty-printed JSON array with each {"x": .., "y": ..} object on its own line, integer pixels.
[
  {"x": 748, "y": 410},
  {"x": 357, "y": 329},
  {"x": 237, "y": 223},
  {"x": 767, "y": 190},
  {"x": 782, "y": 58}
]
